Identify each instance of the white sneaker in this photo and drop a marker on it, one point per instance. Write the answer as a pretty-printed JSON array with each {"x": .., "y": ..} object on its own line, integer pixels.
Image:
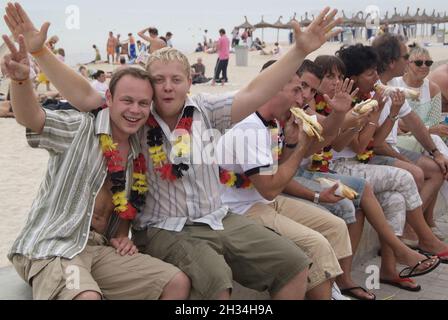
[{"x": 336, "y": 293}]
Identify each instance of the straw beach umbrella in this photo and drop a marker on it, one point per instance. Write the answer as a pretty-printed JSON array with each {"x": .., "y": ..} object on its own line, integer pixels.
[
  {"x": 279, "y": 25},
  {"x": 262, "y": 25},
  {"x": 305, "y": 22},
  {"x": 245, "y": 25}
]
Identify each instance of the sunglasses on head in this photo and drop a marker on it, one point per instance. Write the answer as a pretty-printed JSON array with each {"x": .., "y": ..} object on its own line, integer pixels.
[{"x": 427, "y": 63}]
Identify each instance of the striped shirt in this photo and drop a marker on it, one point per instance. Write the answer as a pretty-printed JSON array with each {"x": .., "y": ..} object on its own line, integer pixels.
[
  {"x": 196, "y": 196},
  {"x": 60, "y": 217}
]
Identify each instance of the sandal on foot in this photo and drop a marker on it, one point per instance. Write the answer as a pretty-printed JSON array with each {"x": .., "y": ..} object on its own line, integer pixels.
[
  {"x": 398, "y": 283},
  {"x": 411, "y": 272},
  {"x": 350, "y": 292},
  {"x": 443, "y": 256}
]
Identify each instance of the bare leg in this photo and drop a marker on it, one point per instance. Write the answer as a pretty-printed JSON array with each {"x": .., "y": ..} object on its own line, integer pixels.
[
  {"x": 388, "y": 269},
  {"x": 427, "y": 240},
  {"x": 345, "y": 280}
]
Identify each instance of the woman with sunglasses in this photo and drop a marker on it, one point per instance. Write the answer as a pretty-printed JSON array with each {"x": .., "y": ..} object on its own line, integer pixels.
[{"x": 428, "y": 108}]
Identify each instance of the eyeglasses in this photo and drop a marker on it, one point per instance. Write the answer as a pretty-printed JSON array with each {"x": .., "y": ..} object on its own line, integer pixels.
[{"x": 427, "y": 63}]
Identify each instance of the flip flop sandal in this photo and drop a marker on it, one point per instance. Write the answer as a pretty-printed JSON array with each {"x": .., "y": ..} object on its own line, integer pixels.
[
  {"x": 349, "y": 292},
  {"x": 398, "y": 283},
  {"x": 443, "y": 256},
  {"x": 411, "y": 272}
]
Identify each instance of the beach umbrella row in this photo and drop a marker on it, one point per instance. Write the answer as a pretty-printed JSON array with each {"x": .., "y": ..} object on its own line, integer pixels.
[{"x": 357, "y": 20}]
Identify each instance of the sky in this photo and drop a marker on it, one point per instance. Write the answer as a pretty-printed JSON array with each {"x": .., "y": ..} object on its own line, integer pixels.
[{"x": 82, "y": 23}]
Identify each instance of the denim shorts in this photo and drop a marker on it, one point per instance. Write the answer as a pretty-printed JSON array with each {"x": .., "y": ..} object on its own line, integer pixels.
[{"x": 345, "y": 209}]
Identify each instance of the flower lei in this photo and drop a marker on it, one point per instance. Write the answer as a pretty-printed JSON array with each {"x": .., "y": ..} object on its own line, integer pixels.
[
  {"x": 126, "y": 210},
  {"x": 320, "y": 161},
  {"x": 181, "y": 148},
  {"x": 321, "y": 105},
  {"x": 364, "y": 157},
  {"x": 240, "y": 180}
]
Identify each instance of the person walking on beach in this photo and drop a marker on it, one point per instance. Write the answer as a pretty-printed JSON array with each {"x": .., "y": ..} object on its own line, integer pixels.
[
  {"x": 223, "y": 48},
  {"x": 62, "y": 235}
]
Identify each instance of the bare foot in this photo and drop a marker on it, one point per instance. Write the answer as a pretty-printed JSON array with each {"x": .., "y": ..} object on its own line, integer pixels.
[{"x": 358, "y": 293}]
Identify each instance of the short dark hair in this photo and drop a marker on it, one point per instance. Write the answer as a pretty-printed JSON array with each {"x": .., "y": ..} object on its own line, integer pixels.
[
  {"x": 311, "y": 67},
  {"x": 169, "y": 34},
  {"x": 387, "y": 47},
  {"x": 357, "y": 59},
  {"x": 133, "y": 72},
  {"x": 328, "y": 62},
  {"x": 97, "y": 74},
  {"x": 222, "y": 31},
  {"x": 153, "y": 31}
]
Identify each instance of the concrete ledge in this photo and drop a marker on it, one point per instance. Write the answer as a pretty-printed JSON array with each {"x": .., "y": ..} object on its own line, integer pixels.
[{"x": 12, "y": 287}]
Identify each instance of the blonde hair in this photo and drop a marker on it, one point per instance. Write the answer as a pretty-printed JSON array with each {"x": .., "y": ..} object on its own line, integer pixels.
[
  {"x": 416, "y": 50},
  {"x": 168, "y": 54}
]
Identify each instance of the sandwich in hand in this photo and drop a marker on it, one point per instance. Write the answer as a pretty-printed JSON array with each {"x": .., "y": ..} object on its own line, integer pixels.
[
  {"x": 309, "y": 124},
  {"x": 388, "y": 91},
  {"x": 365, "y": 106},
  {"x": 342, "y": 190}
]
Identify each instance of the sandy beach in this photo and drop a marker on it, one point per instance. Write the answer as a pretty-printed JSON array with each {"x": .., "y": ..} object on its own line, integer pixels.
[{"x": 23, "y": 168}]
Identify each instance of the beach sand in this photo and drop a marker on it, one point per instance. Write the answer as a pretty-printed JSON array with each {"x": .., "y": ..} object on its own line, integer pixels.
[{"x": 23, "y": 168}]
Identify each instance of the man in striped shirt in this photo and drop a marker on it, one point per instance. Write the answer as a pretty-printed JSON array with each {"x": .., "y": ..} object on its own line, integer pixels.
[
  {"x": 69, "y": 248},
  {"x": 184, "y": 221}
]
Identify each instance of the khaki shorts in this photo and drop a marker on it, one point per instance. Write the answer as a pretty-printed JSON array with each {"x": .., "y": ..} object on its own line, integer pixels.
[
  {"x": 323, "y": 236},
  {"x": 97, "y": 268},
  {"x": 247, "y": 252}
]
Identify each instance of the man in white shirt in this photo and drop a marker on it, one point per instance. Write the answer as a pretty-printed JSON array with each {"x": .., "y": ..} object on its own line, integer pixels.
[
  {"x": 99, "y": 84},
  {"x": 253, "y": 161}
]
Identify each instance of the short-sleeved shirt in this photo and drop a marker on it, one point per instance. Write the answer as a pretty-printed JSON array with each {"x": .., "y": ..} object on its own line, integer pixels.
[
  {"x": 59, "y": 221},
  {"x": 404, "y": 111},
  {"x": 196, "y": 196},
  {"x": 246, "y": 148}
]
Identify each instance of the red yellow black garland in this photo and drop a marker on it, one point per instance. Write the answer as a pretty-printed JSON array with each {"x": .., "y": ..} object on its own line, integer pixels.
[
  {"x": 368, "y": 154},
  {"x": 126, "y": 209},
  {"x": 181, "y": 148},
  {"x": 240, "y": 180}
]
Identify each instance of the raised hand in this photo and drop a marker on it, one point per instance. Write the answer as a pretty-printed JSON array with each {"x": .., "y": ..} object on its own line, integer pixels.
[
  {"x": 16, "y": 64},
  {"x": 398, "y": 98},
  {"x": 343, "y": 97},
  {"x": 318, "y": 32},
  {"x": 18, "y": 23}
]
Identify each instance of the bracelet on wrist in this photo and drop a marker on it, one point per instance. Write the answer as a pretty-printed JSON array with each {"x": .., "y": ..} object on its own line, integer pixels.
[{"x": 19, "y": 82}]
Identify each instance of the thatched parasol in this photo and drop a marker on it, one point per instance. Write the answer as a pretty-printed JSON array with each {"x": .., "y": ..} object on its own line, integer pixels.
[
  {"x": 262, "y": 25},
  {"x": 279, "y": 25},
  {"x": 305, "y": 22},
  {"x": 245, "y": 25}
]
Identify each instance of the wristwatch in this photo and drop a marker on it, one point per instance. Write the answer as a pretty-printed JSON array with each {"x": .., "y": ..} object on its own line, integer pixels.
[
  {"x": 393, "y": 118},
  {"x": 316, "y": 197},
  {"x": 431, "y": 153}
]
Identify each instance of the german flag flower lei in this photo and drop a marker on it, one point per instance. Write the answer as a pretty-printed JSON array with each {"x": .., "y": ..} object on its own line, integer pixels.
[
  {"x": 322, "y": 106},
  {"x": 320, "y": 161},
  {"x": 240, "y": 180},
  {"x": 126, "y": 210},
  {"x": 181, "y": 148},
  {"x": 365, "y": 156}
]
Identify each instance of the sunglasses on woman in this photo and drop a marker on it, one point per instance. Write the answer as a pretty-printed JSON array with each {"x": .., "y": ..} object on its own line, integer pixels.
[{"x": 419, "y": 63}]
